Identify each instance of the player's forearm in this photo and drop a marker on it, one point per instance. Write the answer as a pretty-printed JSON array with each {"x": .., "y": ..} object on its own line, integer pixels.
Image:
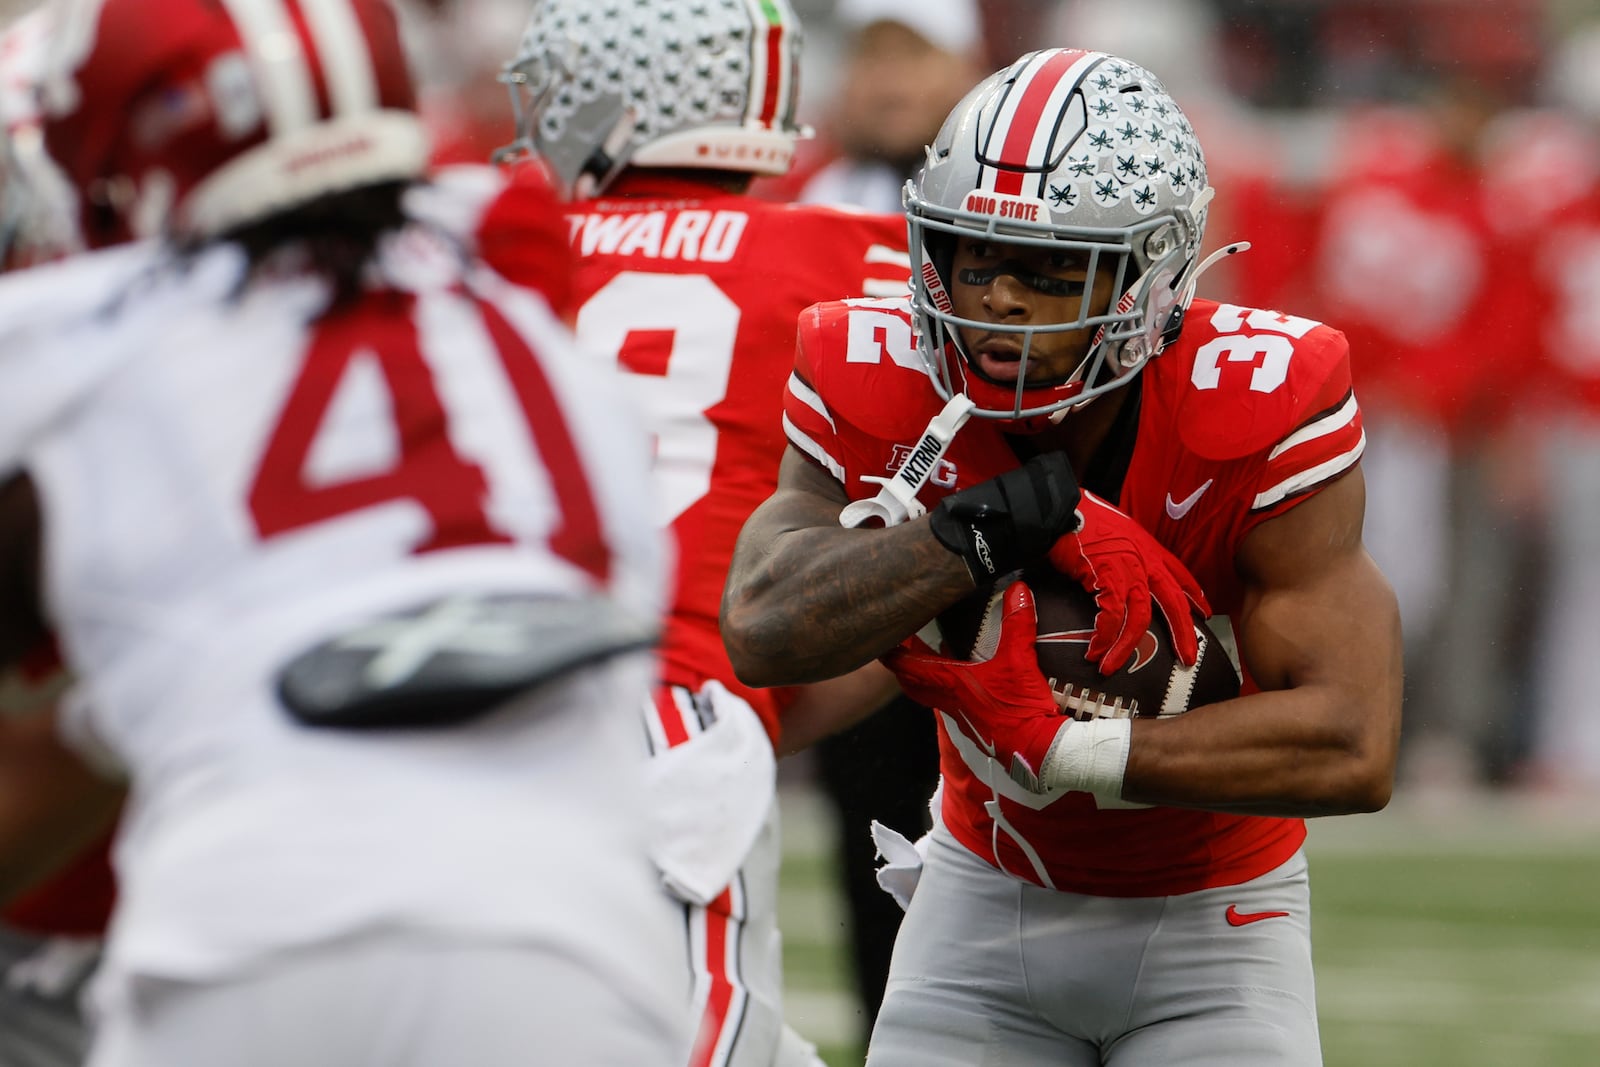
[
  {"x": 1319, "y": 630},
  {"x": 825, "y": 708},
  {"x": 823, "y": 601},
  {"x": 1288, "y": 753}
]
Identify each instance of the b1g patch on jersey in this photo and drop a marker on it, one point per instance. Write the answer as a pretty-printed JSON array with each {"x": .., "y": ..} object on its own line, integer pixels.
[{"x": 1254, "y": 377}]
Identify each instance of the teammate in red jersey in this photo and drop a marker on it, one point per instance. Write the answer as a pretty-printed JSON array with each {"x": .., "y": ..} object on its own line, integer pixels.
[
  {"x": 656, "y": 116},
  {"x": 349, "y": 556},
  {"x": 1143, "y": 898}
]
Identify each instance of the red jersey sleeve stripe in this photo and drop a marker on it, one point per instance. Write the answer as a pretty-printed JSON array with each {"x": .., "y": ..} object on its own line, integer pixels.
[
  {"x": 1312, "y": 477},
  {"x": 1320, "y": 425},
  {"x": 801, "y": 391},
  {"x": 1320, "y": 449},
  {"x": 809, "y": 445},
  {"x": 807, "y": 422}
]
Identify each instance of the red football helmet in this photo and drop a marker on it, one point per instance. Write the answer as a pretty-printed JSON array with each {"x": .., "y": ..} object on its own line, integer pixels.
[{"x": 197, "y": 116}]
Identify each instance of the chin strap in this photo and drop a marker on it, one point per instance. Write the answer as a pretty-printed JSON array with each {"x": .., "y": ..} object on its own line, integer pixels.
[
  {"x": 607, "y": 160},
  {"x": 897, "y": 501},
  {"x": 1201, "y": 200}
]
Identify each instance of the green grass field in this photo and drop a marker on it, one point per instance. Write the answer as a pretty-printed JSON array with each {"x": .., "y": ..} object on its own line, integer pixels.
[{"x": 1464, "y": 934}]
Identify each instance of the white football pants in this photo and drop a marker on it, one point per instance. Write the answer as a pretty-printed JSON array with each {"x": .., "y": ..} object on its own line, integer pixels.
[{"x": 394, "y": 1000}]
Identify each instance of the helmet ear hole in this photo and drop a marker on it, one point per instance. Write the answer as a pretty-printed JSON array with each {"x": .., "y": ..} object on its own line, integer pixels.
[{"x": 1160, "y": 244}]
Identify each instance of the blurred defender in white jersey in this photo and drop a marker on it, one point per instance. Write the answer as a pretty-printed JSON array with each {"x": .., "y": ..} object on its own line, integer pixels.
[{"x": 350, "y": 558}]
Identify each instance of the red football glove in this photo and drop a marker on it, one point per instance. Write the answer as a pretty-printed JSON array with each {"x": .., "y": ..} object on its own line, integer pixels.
[
  {"x": 1004, "y": 701},
  {"x": 1125, "y": 568}
]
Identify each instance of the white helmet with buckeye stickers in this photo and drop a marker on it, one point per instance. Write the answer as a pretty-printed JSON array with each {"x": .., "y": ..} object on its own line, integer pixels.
[
  {"x": 1064, "y": 149},
  {"x": 600, "y": 85}
]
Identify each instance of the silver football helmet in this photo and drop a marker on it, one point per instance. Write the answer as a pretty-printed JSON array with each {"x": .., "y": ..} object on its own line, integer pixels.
[
  {"x": 599, "y": 85},
  {"x": 1070, "y": 149}
]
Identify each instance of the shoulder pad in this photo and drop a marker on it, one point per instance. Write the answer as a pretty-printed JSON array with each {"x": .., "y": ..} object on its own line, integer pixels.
[
  {"x": 38, "y": 301},
  {"x": 1242, "y": 379},
  {"x": 514, "y": 226},
  {"x": 861, "y": 358},
  {"x": 45, "y": 362}
]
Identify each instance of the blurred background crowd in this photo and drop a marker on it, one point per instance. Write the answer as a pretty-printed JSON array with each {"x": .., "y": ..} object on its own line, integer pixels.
[{"x": 1422, "y": 174}]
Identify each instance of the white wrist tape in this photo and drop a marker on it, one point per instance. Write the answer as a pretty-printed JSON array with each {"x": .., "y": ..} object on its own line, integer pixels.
[{"x": 1089, "y": 757}]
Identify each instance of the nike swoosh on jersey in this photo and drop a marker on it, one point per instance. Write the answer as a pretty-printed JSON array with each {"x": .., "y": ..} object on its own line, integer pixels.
[
  {"x": 1236, "y": 917},
  {"x": 1177, "y": 509}
]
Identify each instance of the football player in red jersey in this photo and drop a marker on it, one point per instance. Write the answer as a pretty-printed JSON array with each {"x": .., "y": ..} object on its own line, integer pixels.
[
  {"x": 1113, "y": 891},
  {"x": 655, "y": 116},
  {"x": 350, "y": 559}
]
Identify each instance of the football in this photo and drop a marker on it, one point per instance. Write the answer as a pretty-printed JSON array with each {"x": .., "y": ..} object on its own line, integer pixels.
[{"x": 1152, "y": 684}]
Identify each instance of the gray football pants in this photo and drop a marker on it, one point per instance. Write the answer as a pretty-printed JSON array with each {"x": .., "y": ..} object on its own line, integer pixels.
[{"x": 990, "y": 971}]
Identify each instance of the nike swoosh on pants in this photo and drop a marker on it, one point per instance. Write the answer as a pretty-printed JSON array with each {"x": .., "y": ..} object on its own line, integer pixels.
[{"x": 1236, "y": 917}]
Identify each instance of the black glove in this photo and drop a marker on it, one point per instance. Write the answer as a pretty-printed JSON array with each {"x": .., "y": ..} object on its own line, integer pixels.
[{"x": 1011, "y": 520}]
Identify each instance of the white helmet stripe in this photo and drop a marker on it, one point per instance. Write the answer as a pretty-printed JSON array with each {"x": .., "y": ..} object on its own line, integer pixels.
[
  {"x": 771, "y": 74},
  {"x": 758, "y": 62},
  {"x": 346, "y": 59},
  {"x": 279, "y": 61},
  {"x": 1012, "y": 101},
  {"x": 1045, "y": 132},
  {"x": 1023, "y": 111}
]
